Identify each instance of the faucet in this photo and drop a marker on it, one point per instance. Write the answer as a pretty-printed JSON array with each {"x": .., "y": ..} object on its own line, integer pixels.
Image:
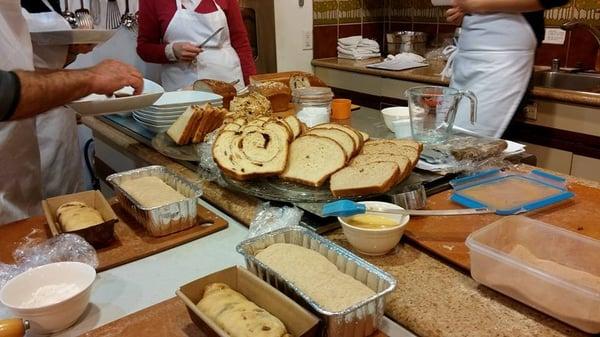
[{"x": 567, "y": 26}]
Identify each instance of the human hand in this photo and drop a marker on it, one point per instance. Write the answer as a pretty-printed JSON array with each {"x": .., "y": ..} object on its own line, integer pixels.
[
  {"x": 109, "y": 76},
  {"x": 471, "y": 6},
  {"x": 185, "y": 51},
  {"x": 455, "y": 16}
]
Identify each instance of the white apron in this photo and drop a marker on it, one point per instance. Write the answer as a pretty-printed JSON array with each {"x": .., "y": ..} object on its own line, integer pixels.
[
  {"x": 20, "y": 176},
  {"x": 56, "y": 129},
  {"x": 494, "y": 60},
  {"x": 218, "y": 60}
]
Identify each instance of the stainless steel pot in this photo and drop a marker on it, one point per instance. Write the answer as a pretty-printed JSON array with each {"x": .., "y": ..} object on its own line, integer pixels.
[{"x": 407, "y": 42}]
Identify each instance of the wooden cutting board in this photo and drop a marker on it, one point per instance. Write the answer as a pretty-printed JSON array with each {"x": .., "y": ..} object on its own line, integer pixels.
[
  {"x": 165, "y": 319},
  {"x": 445, "y": 235},
  {"x": 132, "y": 241}
]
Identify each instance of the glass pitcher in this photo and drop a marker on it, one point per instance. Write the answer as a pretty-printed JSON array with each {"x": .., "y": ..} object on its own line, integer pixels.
[{"x": 433, "y": 110}]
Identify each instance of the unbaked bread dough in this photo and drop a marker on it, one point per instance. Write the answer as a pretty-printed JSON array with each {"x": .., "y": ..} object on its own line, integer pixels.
[
  {"x": 73, "y": 216},
  {"x": 315, "y": 275},
  {"x": 238, "y": 316},
  {"x": 151, "y": 192}
]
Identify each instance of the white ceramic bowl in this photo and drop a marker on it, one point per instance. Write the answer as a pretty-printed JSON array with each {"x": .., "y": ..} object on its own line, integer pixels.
[
  {"x": 394, "y": 113},
  {"x": 376, "y": 242},
  {"x": 53, "y": 317}
]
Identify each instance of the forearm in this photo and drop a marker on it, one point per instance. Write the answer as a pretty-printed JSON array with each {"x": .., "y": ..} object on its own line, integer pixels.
[{"x": 42, "y": 92}]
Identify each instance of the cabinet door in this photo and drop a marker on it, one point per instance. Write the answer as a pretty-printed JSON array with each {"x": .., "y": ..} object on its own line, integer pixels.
[
  {"x": 550, "y": 158},
  {"x": 586, "y": 167}
]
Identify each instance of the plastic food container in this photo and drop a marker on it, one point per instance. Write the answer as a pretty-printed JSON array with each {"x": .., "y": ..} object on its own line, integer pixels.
[
  {"x": 361, "y": 319},
  {"x": 549, "y": 268},
  {"x": 166, "y": 219}
]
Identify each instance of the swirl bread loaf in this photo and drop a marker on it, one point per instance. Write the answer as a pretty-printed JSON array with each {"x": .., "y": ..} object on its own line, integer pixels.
[
  {"x": 238, "y": 316},
  {"x": 277, "y": 93}
]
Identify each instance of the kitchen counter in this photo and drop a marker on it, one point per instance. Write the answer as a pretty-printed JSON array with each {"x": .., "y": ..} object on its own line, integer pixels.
[
  {"x": 432, "y": 298},
  {"x": 430, "y": 75}
]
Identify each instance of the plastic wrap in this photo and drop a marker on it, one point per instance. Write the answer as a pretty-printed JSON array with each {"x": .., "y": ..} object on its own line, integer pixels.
[
  {"x": 33, "y": 253},
  {"x": 269, "y": 218}
]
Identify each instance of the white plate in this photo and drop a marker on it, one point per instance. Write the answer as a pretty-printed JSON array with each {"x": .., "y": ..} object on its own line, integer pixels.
[
  {"x": 153, "y": 128},
  {"x": 154, "y": 114},
  {"x": 72, "y": 36},
  {"x": 100, "y": 105},
  {"x": 179, "y": 98},
  {"x": 154, "y": 121}
]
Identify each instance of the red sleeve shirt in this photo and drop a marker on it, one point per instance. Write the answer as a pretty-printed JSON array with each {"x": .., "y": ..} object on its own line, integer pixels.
[{"x": 155, "y": 16}]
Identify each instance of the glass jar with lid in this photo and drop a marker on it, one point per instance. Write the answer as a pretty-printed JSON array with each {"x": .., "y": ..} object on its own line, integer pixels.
[{"x": 312, "y": 105}]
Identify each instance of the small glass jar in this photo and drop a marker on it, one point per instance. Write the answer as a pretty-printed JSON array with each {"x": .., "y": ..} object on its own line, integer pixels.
[{"x": 313, "y": 105}]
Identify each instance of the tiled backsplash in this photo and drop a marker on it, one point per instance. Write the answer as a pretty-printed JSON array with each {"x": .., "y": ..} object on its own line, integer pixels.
[{"x": 372, "y": 18}]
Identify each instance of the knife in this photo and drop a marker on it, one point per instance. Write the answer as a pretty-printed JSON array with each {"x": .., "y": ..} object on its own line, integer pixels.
[{"x": 210, "y": 37}]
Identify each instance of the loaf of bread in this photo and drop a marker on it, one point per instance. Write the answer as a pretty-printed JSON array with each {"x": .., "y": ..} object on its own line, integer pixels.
[
  {"x": 252, "y": 151},
  {"x": 402, "y": 161},
  {"x": 251, "y": 106},
  {"x": 364, "y": 179},
  {"x": 277, "y": 93},
  {"x": 221, "y": 88},
  {"x": 73, "y": 216},
  {"x": 313, "y": 159},
  {"x": 315, "y": 275},
  {"x": 183, "y": 130},
  {"x": 151, "y": 192},
  {"x": 238, "y": 316}
]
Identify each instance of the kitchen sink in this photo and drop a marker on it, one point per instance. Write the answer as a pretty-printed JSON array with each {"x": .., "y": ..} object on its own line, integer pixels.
[{"x": 585, "y": 82}]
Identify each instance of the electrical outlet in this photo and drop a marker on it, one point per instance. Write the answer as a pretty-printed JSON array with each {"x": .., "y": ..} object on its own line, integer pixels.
[
  {"x": 555, "y": 36},
  {"x": 531, "y": 111},
  {"x": 307, "y": 40}
]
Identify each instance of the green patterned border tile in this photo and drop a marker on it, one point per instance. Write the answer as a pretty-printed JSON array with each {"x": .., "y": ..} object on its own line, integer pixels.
[
  {"x": 400, "y": 11},
  {"x": 350, "y": 11},
  {"x": 374, "y": 10},
  {"x": 325, "y": 12},
  {"x": 580, "y": 10}
]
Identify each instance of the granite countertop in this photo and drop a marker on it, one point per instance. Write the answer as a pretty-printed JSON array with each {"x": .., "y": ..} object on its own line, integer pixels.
[
  {"x": 431, "y": 75},
  {"x": 432, "y": 298}
]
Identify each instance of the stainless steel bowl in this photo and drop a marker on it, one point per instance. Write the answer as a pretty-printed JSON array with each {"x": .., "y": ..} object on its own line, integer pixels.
[{"x": 407, "y": 42}]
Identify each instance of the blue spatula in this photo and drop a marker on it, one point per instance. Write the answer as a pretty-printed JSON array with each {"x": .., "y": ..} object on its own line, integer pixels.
[{"x": 345, "y": 208}]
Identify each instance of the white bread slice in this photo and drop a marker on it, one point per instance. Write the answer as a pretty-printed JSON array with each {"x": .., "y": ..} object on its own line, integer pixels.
[
  {"x": 357, "y": 136},
  {"x": 365, "y": 135},
  {"x": 410, "y": 143},
  {"x": 294, "y": 123},
  {"x": 339, "y": 136},
  {"x": 402, "y": 161},
  {"x": 365, "y": 179},
  {"x": 390, "y": 146},
  {"x": 185, "y": 126},
  {"x": 312, "y": 159},
  {"x": 231, "y": 127},
  {"x": 250, "y": 154}
]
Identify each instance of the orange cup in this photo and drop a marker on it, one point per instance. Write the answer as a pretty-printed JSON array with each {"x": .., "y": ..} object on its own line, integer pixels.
[{"x": 341, "y": 108}]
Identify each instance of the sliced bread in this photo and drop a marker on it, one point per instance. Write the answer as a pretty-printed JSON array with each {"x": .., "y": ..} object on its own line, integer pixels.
[
  {"x": 364, "y": 179},
  {"x": 355, "y": 134},
  {"x": 294, "y": 123},
  {"x": 251, "y": 152},
  {"x": 279, "y": 128},
  {"x": 365, "y": 135},
  {"x": 390, "y": 146},
  {"x": 339, "y": 136},
  {"x": 402, "y": 161},
  {"x": 182, "y": 131},
  {"x": 312, "y": 159}
]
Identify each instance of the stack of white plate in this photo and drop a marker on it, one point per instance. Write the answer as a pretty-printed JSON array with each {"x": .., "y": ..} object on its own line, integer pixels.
[{"x": 164, "y": 112}]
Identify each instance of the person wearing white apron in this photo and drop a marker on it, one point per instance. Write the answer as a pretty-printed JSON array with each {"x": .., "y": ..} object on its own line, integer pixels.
[
  {"x": 57, "y": 128},
  {"x": 494, "y": 58},
  {"x": 217, "y": 60},
  {"x": 18, "y": 140}
]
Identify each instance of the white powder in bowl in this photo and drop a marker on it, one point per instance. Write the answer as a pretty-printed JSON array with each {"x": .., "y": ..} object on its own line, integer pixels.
[{"x": 50, "y": 294}]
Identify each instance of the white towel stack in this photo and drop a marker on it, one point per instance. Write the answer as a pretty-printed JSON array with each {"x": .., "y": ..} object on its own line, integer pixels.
[{"x": 357, "y": 48}]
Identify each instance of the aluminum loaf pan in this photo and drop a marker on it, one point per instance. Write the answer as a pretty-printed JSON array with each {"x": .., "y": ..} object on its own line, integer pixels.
[
  {"x": 166, "y": 219},
  {"x": 361, "y": 319}
]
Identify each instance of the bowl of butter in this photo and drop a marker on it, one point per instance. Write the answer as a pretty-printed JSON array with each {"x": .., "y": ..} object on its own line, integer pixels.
[{"x": 374, "y": 234}]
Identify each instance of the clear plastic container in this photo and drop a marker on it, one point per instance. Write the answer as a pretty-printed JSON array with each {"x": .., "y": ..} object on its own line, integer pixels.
[
  {"x": 549, "y": 268},
  {"x": 313, "y": 105}
]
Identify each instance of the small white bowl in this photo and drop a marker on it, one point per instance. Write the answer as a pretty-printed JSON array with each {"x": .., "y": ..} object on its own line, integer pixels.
[
  {"x": 394, "y": 114},
  {"x": 375, "y": 242},
  {"x": 54, "y": 317}
]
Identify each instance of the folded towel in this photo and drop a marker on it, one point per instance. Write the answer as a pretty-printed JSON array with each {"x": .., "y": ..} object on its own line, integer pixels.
[
  {"x": 346, "y": 50},
  {"x": 368, "y": 43},
  {"x": 351, "y": 40},
  {"x": 358, "y": 56}
]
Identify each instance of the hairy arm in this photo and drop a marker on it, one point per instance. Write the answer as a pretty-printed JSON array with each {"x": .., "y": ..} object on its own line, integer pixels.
[{"x": 41, "y": 91}]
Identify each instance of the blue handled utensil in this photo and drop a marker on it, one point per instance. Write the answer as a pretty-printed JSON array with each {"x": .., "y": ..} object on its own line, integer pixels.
[{"x": 345, "y": 208}]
